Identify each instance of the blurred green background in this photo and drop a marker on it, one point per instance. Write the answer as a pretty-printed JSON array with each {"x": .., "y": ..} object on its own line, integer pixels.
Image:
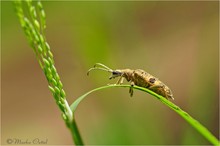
[{"x": 178, "y": 42}]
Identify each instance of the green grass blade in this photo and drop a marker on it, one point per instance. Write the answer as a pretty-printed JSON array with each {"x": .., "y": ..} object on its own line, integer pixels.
[{"x": 194, "y": 123}]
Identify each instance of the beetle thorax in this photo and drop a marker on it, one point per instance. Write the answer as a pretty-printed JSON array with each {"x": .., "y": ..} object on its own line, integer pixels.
[{"x": 127, "y": 74}]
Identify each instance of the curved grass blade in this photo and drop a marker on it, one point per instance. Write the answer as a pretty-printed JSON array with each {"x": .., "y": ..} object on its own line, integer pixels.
[{"x": 194, "y": 123}]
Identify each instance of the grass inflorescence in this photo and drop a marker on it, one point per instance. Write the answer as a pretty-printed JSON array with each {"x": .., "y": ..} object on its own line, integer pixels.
[{"x": 33, "y": 22}]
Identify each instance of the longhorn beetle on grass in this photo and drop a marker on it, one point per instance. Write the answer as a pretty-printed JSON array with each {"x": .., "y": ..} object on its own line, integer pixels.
[{"x": 137, "y": 77}]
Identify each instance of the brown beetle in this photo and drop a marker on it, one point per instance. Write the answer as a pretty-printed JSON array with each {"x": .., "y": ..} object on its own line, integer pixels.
[{"x": 136, "y": 77}]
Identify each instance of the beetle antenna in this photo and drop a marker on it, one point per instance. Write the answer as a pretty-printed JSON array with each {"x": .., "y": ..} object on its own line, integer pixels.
[
  {"x": 102, "y": 65},
  {"x": 99, "y": 68}
]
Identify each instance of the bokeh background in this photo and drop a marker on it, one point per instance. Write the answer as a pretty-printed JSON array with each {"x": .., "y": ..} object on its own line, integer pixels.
[{"x": 178, "y": 42}]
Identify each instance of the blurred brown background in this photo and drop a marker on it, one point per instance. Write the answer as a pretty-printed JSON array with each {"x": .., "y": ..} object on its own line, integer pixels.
[{"x": 178, "y": 42}]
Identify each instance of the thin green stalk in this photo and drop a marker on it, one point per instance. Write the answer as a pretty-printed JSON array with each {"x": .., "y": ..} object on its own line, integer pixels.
[
  {"x": 75, "y": 133},
  {"x": 194, "y": 123}
]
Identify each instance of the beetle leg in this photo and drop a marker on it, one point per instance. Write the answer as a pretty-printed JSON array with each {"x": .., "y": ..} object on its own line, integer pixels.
[
  {"x": 131, "y": 91},
  {"x": 120, "y": 80}
]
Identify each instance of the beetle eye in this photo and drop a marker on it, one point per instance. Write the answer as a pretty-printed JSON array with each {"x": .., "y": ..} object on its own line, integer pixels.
[
  {"x": 116, "y": 73},
  {"x": 152, "y": 80}
]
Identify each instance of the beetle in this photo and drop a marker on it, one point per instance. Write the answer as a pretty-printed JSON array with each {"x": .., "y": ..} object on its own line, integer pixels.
[{"x": 137, "y": 77}]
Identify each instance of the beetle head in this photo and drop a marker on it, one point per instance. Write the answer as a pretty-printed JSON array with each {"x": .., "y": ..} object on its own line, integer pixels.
[
  {"x": 115, "y": 74},
  {"x": 99, "y": 66}
]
